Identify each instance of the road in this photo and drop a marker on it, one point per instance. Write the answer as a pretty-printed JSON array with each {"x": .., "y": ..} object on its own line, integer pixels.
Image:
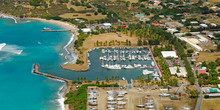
[{"x": 200, "y": 98}]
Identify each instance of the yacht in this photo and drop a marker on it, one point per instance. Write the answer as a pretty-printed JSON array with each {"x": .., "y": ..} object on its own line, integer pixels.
[
  {"x": 146, "y": 72},
  {"x": 152, "y": 63},
  {"x": 129, "y": 67},
  {"x": 123, "y": 78},
  {"x": 116, "y": 66},
  {"x": 45, "y": 28},
  {"x": 137, "y": 65}
]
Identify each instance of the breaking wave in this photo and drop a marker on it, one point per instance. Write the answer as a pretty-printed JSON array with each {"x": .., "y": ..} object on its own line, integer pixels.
[
  {"x": 8, "y": 51},
  {"x": 8, "y": 17}
]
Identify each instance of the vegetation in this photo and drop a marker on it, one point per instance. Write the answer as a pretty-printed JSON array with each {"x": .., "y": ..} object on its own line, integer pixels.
[
  {"x": 79, "y": 42},
  {"x": 77, "y": 99}
]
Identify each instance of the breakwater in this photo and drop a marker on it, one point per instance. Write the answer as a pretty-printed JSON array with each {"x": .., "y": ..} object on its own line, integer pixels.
[{"x": 36, "y": 67}]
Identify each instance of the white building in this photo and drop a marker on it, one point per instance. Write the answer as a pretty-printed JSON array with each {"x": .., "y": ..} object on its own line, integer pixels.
[
  {"x": 213, "y": 24},
  {"x": 107, "y": 25},
  {"x": 198, "y": 48},
  {"x": 169, "y": 54},
  {"x": 194, "y": 22},
  {"x": 182, "y": 71},
  {"x": 202, "y": 39},
  {"x": 204, "y": 25},
  {"x": 86, "y": 30},
  {"x": 171, "y": 30}
]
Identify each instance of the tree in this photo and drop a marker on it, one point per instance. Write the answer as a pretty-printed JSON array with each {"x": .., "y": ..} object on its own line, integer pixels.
[
  {"x": 144, "y": 42},
  {"x": 178, "y": 70},
  {"x": 193, "y": 93},
  {"x": 139, "y": 42},
  {"x": 35, "y": 3},
  {"x": 96, "y": 13},
  {"x": 113, "y": 78},
  {"x": 106, "y": 78}
]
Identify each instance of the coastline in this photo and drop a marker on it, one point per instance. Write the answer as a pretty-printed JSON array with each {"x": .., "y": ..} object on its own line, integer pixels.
[{"x": 65, "y": 25}]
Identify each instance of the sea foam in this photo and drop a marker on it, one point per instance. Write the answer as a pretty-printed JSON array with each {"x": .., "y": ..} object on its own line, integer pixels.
[
  {"x": 8, "y": 17},
  {"x": 71, "y": 55}
]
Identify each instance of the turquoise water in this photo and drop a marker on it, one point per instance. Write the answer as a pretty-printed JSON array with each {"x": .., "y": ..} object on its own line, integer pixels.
[
  {"x": 27, "y": 91},
  {"x": 20, "y": 89}
]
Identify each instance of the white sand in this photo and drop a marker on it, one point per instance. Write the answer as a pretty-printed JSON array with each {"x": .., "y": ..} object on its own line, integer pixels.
[{"x": 60, "y": 23}]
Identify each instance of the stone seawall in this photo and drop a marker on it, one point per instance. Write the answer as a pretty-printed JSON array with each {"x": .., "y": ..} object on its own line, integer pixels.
[{"x": 36, "y": 67}]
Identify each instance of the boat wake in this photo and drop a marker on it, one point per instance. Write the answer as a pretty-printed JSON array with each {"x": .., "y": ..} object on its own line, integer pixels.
[
  {"x": 8, "y": 51},
  {"x": 8, "y": 17}
]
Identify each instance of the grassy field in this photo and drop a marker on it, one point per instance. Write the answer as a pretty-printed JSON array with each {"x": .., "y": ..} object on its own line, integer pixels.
[
  {"x": 216, "y": 20},
  {"x": 206, "y": 56},
  {"x": 131, "y": 1},
  {"x": 211, "y": 104},
  {"x": 83, "y": 15},
  {"x": 77, "y": 8},
  {"x": 214, "y": 1}
]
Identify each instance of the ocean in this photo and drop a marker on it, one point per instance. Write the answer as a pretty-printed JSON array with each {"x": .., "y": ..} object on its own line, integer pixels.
[{"x": 25, "y": 44}]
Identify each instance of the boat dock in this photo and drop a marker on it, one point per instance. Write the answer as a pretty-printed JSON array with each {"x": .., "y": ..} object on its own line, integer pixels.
[{"x": 55, "y": 30}]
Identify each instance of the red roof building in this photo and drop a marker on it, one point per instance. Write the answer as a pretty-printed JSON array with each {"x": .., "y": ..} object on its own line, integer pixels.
[
  {"x": 155, "y": 24},
  {"x": 202, "y": 71}
]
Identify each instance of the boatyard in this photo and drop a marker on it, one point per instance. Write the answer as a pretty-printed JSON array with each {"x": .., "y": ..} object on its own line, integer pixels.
[{"x": 135, "y": 98}]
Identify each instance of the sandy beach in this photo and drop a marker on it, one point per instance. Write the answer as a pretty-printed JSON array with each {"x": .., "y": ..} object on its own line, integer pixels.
[{"x": 60, "y": 23}]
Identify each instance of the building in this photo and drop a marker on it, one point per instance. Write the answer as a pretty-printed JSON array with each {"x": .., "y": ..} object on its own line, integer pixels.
[
  {"x": 86, "y": 30},
  {"x": 203, "y": 25},
  {"x": 174, "y": 24},
  {"x": 107, "y": 25},
  {"x": 202, "y": 71},
  {"x": 169, "y": 54},
  {"x": 194, "y": 22},
  {"x": 201, "y": 38},
  {"x": 198, "y": 48},
  {"x": 172, "y": 30},
  {"x": 182, "y": 71}
]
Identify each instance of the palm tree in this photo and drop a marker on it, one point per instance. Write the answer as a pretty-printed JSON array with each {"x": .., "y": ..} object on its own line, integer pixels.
[
  {"x": 113, "y": 78},
  {"x": 106, "y": 78}
]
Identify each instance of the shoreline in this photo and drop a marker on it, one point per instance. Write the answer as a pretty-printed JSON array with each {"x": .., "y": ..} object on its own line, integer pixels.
[
  {"x": 65, "y": 88},
  {"x": 63, "y": 24}
]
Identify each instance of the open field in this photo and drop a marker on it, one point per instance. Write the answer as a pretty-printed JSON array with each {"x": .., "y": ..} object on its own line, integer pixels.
[
  {"x": 208, "y": 57},
  {"x": 83, "y": 15},
  {"x": 89, "y": 44},
  {"x": 213, "y": 1},
  {"x": 131, "y": 1},
  {"x": 77, "y": 8},
  {"x": 215, "y": 20},
  {"x": 210, "y": 104}
]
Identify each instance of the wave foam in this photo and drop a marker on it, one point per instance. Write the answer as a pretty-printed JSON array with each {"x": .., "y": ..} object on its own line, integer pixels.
[
  {"x": 10, "y": 17},
  {"x": 71, "y": 55},
  {"x": 61, "y": 97},
  {"x": 14, "y": 49},
  {"x": 2, "y": 45}
]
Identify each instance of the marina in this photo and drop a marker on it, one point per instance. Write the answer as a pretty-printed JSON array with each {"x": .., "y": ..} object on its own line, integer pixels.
[{"x": 124, "y": 59}]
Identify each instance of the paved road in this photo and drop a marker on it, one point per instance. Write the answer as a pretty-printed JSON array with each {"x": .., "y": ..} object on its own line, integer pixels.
[{"x": 200, "y": 98}]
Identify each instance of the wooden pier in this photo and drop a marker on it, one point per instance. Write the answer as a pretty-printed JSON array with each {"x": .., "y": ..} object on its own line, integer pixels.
[{"x": 54, "y": 30}]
